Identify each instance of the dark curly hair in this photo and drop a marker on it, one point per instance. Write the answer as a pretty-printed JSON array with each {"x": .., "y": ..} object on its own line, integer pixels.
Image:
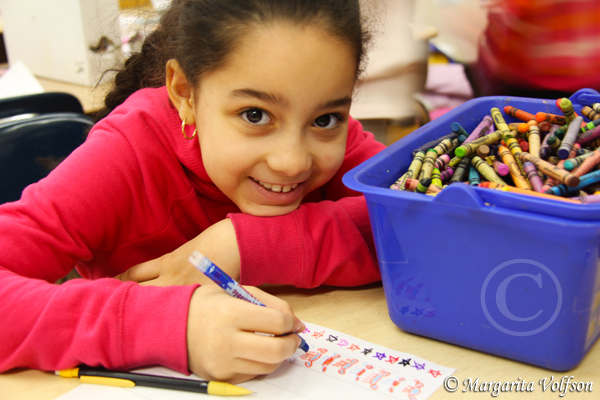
[{"x": 199, "y": 34}]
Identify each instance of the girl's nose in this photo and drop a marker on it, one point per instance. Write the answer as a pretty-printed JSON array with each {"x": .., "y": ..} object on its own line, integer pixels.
[{"x": 290, "y": 155}]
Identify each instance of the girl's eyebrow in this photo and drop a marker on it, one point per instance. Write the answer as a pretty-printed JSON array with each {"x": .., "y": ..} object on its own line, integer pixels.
[{"x": 274, "y": 99}]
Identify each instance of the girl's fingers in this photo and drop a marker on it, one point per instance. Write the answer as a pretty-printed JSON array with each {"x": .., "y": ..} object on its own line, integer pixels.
[
  {"x": 253, "y": 318},
  {"x": 268, "y": 350}
]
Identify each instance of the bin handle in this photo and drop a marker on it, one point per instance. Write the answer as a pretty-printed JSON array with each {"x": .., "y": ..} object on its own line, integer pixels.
[
  {"x": 585, "y": 97},
  {"x": 460, "y": 194}
]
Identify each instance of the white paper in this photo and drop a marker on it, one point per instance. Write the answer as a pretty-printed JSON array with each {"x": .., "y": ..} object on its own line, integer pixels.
[
  {"x": 336, "y": 366},
  {"x": 18, "y": 81}
]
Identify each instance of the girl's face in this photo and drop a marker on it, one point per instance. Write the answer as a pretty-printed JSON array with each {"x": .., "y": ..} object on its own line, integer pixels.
[{"x": 273, "y": 121}]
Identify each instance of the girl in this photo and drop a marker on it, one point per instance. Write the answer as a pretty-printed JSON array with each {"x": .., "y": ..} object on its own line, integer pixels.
[{"x": 228, "y": 134}]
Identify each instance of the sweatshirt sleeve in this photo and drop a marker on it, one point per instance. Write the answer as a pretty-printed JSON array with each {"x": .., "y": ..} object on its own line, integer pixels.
[
  {"x": 327, "y": 242},
  {"x": 58, "y": 222}
]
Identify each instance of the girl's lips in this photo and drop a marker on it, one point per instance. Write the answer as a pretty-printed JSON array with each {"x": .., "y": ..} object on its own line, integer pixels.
[{"x": 278, "y": 194}]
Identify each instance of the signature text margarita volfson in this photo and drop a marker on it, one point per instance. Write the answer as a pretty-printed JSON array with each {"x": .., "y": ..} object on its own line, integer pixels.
[{"x": 560, "y": 386}]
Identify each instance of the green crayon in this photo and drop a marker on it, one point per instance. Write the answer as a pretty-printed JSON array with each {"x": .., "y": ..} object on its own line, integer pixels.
[
  {"x": 423, "y": 185},
  {"x": 466, "y": 149}
]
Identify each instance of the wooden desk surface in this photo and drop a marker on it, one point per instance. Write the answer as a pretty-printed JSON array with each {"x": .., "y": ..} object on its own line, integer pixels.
[
  {"x": 362, "y": 312},
  {"x": 92, "y": 99}
]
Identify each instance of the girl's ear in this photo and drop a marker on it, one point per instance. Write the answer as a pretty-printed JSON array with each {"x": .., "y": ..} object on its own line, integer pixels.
[{"x": 180, "y": 92}]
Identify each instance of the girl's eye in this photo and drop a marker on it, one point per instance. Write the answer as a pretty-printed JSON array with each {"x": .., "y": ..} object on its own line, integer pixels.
[
  {"x": 256, "y": 116},
  {"x": 327, "y": 121}
]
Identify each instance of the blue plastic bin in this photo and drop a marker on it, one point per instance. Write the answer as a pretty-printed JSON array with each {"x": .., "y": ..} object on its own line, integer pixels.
[{"x": 498, "y": 272}]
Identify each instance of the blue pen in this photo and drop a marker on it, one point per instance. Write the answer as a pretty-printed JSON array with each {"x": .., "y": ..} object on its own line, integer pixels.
[{"x": 218, "y": 276}]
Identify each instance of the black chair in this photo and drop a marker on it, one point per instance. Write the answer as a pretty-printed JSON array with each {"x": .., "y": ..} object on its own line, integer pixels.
[
  {"x": 30, "y": 148},
  {"x": 41, "y": 103}
]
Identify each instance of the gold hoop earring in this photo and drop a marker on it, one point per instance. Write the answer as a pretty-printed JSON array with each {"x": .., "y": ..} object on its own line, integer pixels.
[{"x": 183, "y": 131}]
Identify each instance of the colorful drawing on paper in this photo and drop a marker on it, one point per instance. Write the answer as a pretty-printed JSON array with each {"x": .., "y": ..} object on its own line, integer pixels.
[{"x": 379, "y": 369}]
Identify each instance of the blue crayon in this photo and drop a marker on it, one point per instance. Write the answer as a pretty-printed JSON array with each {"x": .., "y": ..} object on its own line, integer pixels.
[
  {"x": 218, "y": 276},
  {"x": 585, "y": 180}
]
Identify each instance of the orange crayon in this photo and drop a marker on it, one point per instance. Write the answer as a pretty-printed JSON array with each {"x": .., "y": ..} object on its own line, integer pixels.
[
  {"x": 513, "y": 168},
  {"x": 520, "y": 114},
  {"x": 506, "y": 188}
]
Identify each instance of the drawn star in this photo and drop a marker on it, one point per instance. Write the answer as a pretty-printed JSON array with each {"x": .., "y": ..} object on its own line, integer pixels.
[
  {"x": 332, "y": 338},
  {"x": 379, "y": 356},
  {"x": 306, "y": 330},
  {"x": 354, "y": 347},
  {"x": 392, "y": 360},
  {"x": 405, "y": 362},
  {"x": 318, "y": 334},
  {"x": 419, "y": 366},
  {"x": 417, "y": 312},
  {"x": 435, "y": 373},
  {"x": 367, "y": 351},
  {"x": 430, "y": 313},
  {"x": 343, "y": 342},
  {"x": 404, "y": 310}
]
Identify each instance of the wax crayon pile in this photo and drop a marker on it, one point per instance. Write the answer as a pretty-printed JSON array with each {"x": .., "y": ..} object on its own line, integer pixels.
[{"x": 554, "y": 156}]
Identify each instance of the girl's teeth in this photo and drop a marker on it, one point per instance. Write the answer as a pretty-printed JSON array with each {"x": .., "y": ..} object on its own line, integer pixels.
[
  {"x": 278, "y": 188},
  {"x": 267, "y": 185}
]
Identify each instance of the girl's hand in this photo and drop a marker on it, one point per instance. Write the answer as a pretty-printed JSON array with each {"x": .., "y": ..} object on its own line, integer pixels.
[
  {"x": 221, "y": 338},
  {"x": 218, "y": 243}
]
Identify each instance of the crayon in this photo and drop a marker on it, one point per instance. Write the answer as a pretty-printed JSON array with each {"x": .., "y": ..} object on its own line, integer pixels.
[
  {"x": 534, "y": 140},
  {"x": 532, "y": 176},
  {"x": 413, "y": 171},
  {"x": 500, "y": 168},
  {"x": 570, "y": 137},
  {"x": 485, "y": 170},
  {"x": 589, "y": 136},
  {"x": 560, "y": 132},
  {"x": 566, "y": 107},
  {"x": 506, "y": 188},
  {"x": 551, "y": 182},
  {"x": 519, "y": 114},
  {"x": 458, "y": 129},
  {"x": 545, "y": 150},
  {"x": 474, "y": 178},
  {"x": 466, "y": 149},
  {"x": 462, "y": 171},
  {"x": 596, "y": 107},
  {"x": 552, "y": 118},
  {"x": 575, "y": 162},
  {"x": 544, "y": 126},
  {"x": 481, "y": 129},
  {"x": 436, "y": 179},
  {"x": 433, "y": 143},
  {"x": 427, "y": 167},
  {"x": 412, "y": 184},
  {"x": 585, "y": 180},
  {"x": 441, "y": 161},
  {"x": 446, "y": 174},
  {"x": 545, "y": 167},
  {"x": 515, "y": 149},
  {"x": 423, "y": 185},
  {"x": 499, "y": 122},
  {"x": 553, "y": 143},
  {"x": 590, "y": 125},
  {"x": 515, "y": 172},
  {"x": 483, "y": 151},
  {"x": 590, "y": 113},
  {"x": 443, "y": 146},
  {"x": 589, "y": 163}
]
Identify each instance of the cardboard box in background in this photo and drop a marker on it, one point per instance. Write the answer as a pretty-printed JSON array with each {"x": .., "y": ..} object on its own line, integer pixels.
[{"x": 54, "y": 38}]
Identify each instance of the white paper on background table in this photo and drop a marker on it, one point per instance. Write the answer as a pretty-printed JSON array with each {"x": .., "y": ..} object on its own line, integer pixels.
[{"x": 337, "y": 366}]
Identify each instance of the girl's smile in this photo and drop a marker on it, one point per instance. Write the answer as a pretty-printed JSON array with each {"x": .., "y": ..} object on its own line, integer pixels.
[{"x": 272, "y": 121}]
